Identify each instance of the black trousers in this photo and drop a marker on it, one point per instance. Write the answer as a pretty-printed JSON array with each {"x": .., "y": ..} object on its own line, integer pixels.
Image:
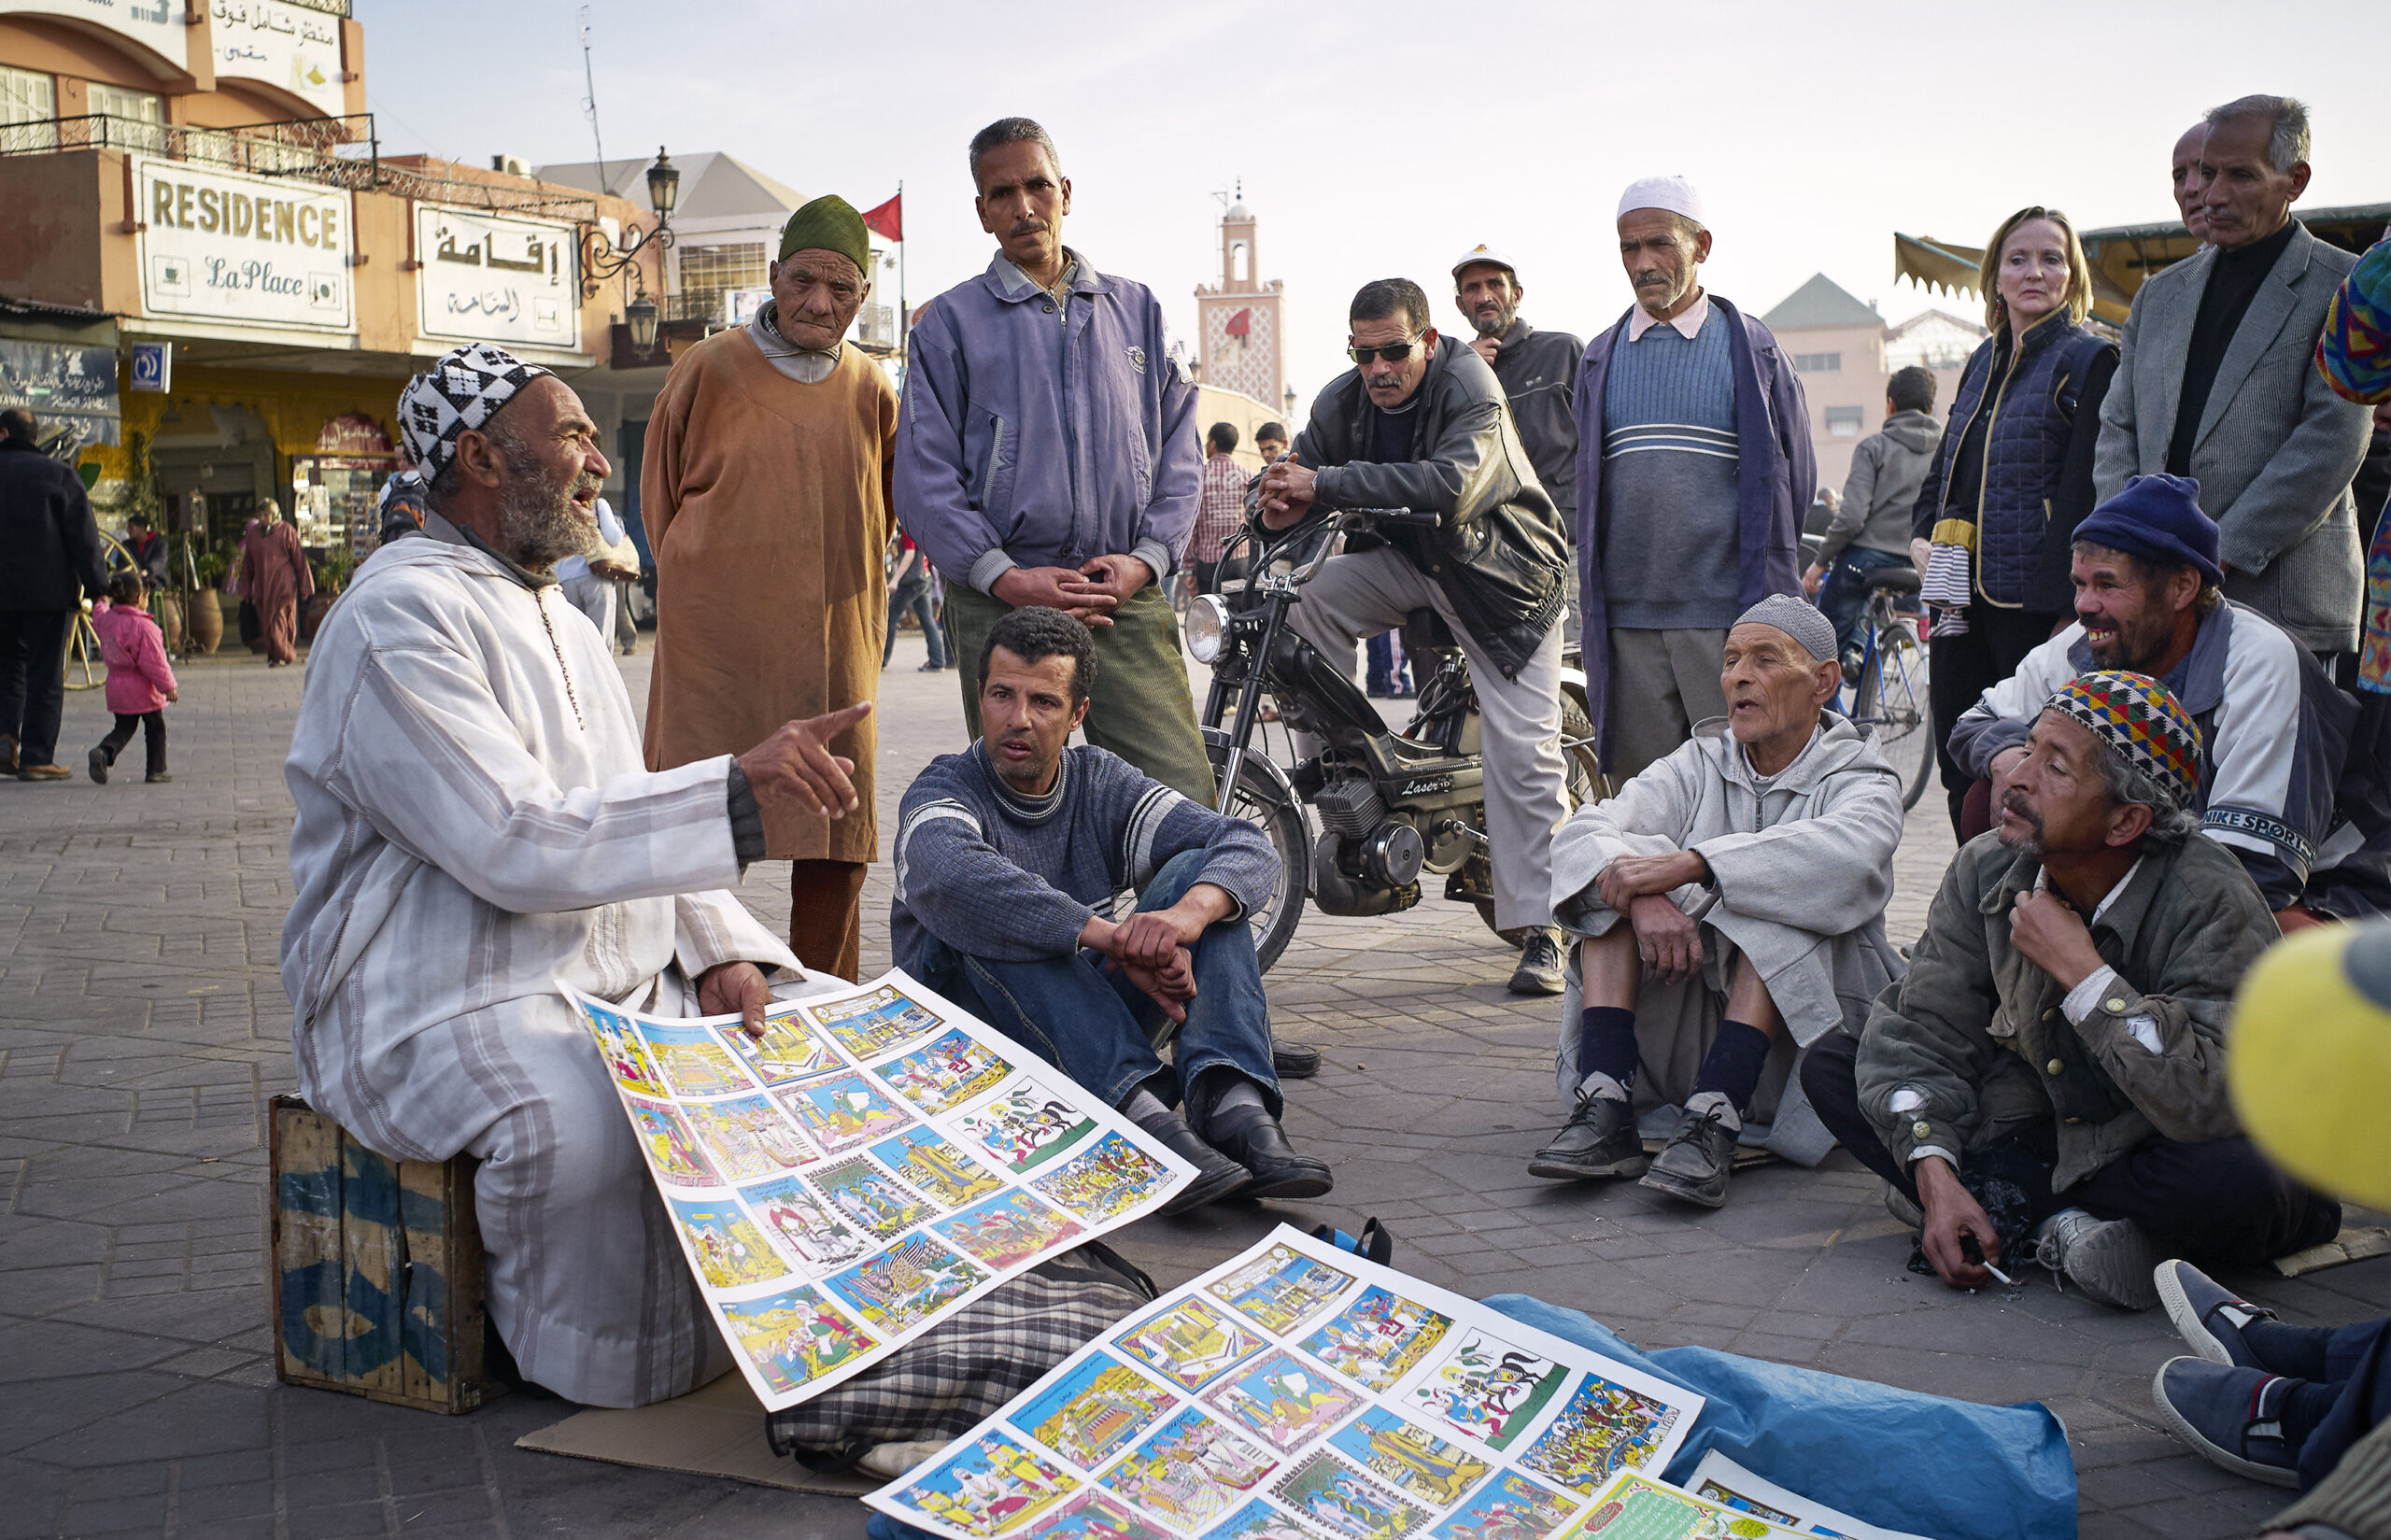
[
  {"x": 153, "y": 738},
  {"x": 2218, "y": 1202},
  {"x": 32, "y": 680},
  {"x": 1962, "y": 668}
]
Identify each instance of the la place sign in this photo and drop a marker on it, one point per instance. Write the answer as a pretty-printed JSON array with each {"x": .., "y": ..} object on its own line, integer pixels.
[{"x": 248, "y": 250}]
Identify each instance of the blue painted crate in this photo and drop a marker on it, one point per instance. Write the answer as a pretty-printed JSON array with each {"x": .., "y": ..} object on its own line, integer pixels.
[{"x": 377, "y": 1268}]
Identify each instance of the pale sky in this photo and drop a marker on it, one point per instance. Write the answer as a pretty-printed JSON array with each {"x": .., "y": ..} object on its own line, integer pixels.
[{"x": 1384, "y": 139}]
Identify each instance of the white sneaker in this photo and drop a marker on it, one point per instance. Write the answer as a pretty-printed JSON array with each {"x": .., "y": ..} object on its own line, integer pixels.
[{"x": 2111, "y": 1259}]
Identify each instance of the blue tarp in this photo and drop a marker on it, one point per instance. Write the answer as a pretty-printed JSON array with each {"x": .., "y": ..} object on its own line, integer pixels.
[{"x": 1950, "y": 1470}]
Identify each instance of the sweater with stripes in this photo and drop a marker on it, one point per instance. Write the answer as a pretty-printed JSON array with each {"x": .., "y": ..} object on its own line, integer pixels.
[
  {"x": 997, "y": 875},
  {"x": 1670, "y": 522}
]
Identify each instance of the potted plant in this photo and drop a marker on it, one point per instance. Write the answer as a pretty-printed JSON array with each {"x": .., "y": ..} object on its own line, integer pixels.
[
  {"x": 206, "y": 608},
  {"x": 331, "y": 575}
]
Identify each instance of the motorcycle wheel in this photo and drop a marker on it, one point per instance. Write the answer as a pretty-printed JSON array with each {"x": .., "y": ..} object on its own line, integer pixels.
[
  {"x": 1256, "y": 800},
  {"x": 1583, "y": 787}
]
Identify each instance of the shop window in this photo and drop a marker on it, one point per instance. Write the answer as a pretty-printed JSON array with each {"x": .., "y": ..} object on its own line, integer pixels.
[
  {"x": 710, "y": 272},
  {"x": 28, "y": 98},
  {"x": 140, "y": 116},
  {"x": 1818, "y": 363},
  {"x": 1844, "y": 422}
]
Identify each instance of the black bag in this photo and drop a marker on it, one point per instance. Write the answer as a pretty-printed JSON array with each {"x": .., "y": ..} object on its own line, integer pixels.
[{"x": 251, "y": 632}]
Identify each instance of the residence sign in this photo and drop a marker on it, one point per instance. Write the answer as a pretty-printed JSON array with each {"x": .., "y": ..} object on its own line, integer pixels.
[{"x": 243, "y": 250}]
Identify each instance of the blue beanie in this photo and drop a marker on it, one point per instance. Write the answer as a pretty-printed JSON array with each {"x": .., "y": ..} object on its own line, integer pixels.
[{"x": 2157, "y": 518}]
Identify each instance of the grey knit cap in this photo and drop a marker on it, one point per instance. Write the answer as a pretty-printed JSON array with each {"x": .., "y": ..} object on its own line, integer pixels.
[{"x": 1797, "y": 618}]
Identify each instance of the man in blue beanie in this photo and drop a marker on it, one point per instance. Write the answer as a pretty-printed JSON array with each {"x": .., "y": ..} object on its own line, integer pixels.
[{"x": 2277, "y": 785}]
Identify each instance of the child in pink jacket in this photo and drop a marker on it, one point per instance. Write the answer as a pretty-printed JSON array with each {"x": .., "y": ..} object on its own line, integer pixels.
[{"x": 140, "y": 682}]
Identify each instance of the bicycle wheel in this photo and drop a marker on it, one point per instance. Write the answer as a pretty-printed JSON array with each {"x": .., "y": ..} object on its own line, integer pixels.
[
  {"x": 1256, "y": 800},
  {"x": 1893, "y": 705}
]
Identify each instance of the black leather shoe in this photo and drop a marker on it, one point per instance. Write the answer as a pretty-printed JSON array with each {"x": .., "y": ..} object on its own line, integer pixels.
[
  {"x": 1539, "y": 970},
  {"x": 1598, "y": 1140},
  {"x": 1294, "y": 1061},
  {"x": 1216, "y": 1175},
  {"x": 1260, "y": 1145},
  {"x": 1694, "y": 1165}
]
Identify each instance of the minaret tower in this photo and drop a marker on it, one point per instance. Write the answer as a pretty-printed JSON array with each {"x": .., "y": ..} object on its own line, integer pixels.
[{"x": 1239, "y": 326}]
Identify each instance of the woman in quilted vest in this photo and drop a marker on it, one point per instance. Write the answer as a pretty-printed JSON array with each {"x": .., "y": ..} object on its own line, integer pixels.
[{"x": 2014, "y": 474}]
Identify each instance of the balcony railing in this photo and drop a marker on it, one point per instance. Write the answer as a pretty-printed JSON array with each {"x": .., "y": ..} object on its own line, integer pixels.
[
  {"x": 876, "y": 326},
  {"x": 341, "y": 152}
]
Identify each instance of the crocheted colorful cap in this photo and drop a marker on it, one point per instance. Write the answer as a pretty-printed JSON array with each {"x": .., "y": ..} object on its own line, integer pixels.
[
  {"x": 2140, "y": 718},
  {"x": 2355, "y": 352}
]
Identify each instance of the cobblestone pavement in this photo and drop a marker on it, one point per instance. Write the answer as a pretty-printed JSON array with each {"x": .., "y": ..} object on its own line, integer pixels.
[{"x": 143, "y": 1029}]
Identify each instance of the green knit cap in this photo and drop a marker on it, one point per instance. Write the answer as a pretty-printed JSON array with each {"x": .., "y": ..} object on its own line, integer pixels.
[{"x": 828, "y": 223}]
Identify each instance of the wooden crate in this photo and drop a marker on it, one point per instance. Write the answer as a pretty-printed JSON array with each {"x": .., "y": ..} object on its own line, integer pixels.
[{"x": 377, "y": 1269}]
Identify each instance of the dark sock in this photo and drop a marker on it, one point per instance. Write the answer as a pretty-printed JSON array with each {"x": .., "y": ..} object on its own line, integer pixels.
[
  {"x": 2298, "y": 1352},
  {"x": 1607, "y": 1044},
  {"x": 2303, "y": 1409},
  {"x": 1733, "y": 1067}
]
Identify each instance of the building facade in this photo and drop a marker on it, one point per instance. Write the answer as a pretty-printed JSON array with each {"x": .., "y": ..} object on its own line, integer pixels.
[
  {"x": 1846, "y": 353},
  {"x": 1240, "y": 322}
]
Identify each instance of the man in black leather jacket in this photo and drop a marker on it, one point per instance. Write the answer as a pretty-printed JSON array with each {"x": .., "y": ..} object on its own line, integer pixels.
[{"x": 1422, "y": 424}]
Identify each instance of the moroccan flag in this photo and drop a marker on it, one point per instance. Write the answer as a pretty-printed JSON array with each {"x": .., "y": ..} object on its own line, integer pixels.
[
  {"x": 888, "y": 218},
  {"x": 1240, "y": 324}
]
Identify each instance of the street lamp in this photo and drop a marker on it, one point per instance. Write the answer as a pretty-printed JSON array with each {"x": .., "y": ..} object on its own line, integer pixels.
[
  {"x": 603, "y": 259},
  {"x": 1290, "y": 401},
  {"x": 642, "y": 314},
  {"x": 663, "y": 186}
]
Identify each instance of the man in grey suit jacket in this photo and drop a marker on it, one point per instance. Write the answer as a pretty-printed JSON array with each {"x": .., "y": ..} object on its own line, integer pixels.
[{"x": 2217, "y": 382}]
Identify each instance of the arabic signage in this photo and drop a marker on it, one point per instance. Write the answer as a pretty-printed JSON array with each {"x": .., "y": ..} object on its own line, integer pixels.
[
  {"x": 57, "y": 383},
  {"x": 248, "y": 250},
  {"x": 155, "y": 25},
  {"x": 282, "y": 45},
  {"x": 491, "y": 277}
]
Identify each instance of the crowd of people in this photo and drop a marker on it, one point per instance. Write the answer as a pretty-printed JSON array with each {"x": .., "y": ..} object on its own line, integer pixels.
[{"x": 2142, "y": 566}]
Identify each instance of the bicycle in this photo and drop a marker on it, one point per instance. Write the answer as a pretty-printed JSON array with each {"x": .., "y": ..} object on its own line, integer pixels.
[{"x": 1887, "y": 695}]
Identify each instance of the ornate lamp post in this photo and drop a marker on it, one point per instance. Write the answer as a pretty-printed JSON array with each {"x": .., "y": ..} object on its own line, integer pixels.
[{"x": 603, "y": 259}]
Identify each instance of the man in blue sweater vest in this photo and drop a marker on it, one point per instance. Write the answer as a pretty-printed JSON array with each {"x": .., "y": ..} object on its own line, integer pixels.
[{"x": 1005, "y": 855}]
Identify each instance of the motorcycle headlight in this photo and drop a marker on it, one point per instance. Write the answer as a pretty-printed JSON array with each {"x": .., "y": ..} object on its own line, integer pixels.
[{"x": 1207, "y": 627}]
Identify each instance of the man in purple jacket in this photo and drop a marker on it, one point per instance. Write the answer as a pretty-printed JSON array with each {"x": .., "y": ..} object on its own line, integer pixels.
[
  {"x": 1047, "y": 455},
  {"x": 1694, "y": 468}
]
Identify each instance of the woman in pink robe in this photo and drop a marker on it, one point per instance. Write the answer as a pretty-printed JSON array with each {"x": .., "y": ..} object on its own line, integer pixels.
[{"x": 274, "y": 579}]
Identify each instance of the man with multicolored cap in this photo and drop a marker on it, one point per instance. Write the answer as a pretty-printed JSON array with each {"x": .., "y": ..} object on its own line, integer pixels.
[
  {"x": 765, "y": 490},
  {"x": 2048, "y": 1079},
  {"x": 474, "y": 828}
]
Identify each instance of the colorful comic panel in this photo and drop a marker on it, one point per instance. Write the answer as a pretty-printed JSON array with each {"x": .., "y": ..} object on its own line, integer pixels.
[
  {"x": 1259, "y": 1520},
  {"x": 1487, "y": 1389},
  {"x": 1190, "y": 1344},
  {"x": 731, "y": 1252},
  {"x": 693, "y": 1062},
  {"x": 907, "y": 1284},
  {"x": 1025, "y": 1127},
  {"x": 1342, "y": 1501},
  {"x": 945, "y": 1073},
  {"x": 1754, "y": 1506},
  {"x": 1603, "y": 1430},
  {"x": 1510, "y": 1507},
  {"x": 625, "y": 1053},
  {"x": 793, "y": 1337},
  {"x": 803, "y": 1222},
  {"x": 749, "y": 1137},
  {"x": 1093, "y": 1515},
  {"x": 841, "y": 1110},
  {"x": 1410, "y": 1459},
  {"x": 1106, "y": 1181},
  {"x": 992, "y": 1488},
  {"x": 1378, "y": 1339},
  {"x": 1192, "y": 1472},
  {"x": 671, "y": 1147},
  {"x": 1280, "y": 1289},
  {"x": 1283, "y": 1399},
  {"x": 1089, "y": 1414},
  {"x": 789, "y": 1049},
  {"x": 871, "y": 1025},
  {"x": 870, "y": 1199},
  {"x": 1636, "y": 1506},
  {"x": 1008, "y": 1229},
  {"x": 946, "y": 1175}
]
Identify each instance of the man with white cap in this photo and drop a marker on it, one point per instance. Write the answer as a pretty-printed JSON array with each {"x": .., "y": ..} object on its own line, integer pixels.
[
  {"x": 1536, "y": 371},
  {"x": 475, "y": 826},
  {"x": 1695, "y": 469},
  {"x": 1729, "y": 906}
]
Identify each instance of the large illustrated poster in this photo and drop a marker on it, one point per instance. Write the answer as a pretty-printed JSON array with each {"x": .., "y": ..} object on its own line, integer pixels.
[
  {"x": 878, "y": 1159},
  {"x": 1298, "y": 1392}
]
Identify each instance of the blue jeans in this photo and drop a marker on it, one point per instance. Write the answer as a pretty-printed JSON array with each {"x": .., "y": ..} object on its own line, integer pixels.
[
  {"x": 1098, "y": 1028},
  {"x": 1844, "y": 595},
  {"x": 1390, "y": 670},
  {"x": 912, "y": 595}
]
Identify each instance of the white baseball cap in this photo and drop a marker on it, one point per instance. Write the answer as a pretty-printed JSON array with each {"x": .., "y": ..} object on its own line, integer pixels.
[{"x": 1478, "y": 255}]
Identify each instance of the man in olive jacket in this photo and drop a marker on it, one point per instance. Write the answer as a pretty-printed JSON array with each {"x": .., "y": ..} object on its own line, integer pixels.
[
  {"x": 2056, "y": 1054},
  {"x": 1422, "y": 424}
]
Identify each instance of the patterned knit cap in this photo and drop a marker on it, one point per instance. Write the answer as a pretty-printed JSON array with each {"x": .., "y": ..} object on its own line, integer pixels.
[
  {"x": 2354, "y": 353},
  {"x": 2140, "y": 718},
  {"x": 464, "y": 390}
]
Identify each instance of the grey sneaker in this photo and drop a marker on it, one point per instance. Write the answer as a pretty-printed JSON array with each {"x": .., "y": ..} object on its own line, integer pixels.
[
  {"x": 1539, "y": 970},
  {"x": 1694, "y": 1165},
  {"x": 1598, "y": 1140},
  {"x": 2111, "y": 1260}
]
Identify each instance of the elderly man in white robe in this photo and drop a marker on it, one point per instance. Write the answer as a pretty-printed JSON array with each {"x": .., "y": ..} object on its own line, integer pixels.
[
  {"x": 475, "y": 825},
  {"x": 1750, "y": 869}
]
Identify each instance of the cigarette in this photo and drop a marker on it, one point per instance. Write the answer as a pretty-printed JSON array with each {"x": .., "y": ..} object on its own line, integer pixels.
[{"x": 2004, "y": 1278}]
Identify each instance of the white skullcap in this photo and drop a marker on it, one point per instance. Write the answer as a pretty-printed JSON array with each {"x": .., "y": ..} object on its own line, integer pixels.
[
  {"x": 1798, "y": 618},
  {"x": 1674, "y": 193}
]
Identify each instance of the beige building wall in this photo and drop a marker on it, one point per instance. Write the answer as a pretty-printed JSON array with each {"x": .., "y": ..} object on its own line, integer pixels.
[{"x": 1842, "y": 376}]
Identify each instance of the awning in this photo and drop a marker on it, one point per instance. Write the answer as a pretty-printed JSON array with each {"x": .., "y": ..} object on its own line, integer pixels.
[
  {"x": 61, "y": 383},
  {"x": 1946, "y": 265}
]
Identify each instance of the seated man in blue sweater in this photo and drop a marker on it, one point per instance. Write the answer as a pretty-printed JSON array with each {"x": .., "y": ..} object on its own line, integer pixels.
[{"x": 1006, "y": 853}]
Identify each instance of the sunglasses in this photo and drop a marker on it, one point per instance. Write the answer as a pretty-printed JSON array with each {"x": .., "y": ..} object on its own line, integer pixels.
[{"x": 1393, "y": 352}]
